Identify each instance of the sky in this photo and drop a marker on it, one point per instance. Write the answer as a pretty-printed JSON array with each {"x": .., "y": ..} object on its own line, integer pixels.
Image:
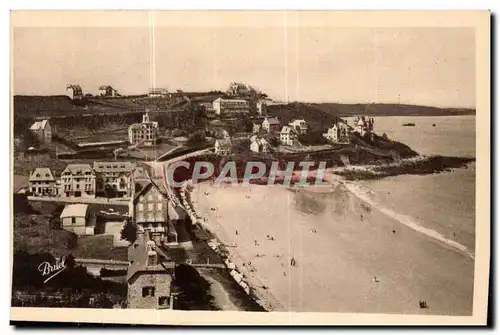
[{"x": 423, "y": 66}]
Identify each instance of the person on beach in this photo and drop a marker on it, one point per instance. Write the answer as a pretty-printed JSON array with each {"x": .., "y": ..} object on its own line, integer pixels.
[
  {"x": 293, "y": 262},
  {"x": 236, "y": 232}
]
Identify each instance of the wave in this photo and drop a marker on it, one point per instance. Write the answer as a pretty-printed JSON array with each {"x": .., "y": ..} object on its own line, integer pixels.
[{"x": 407, "y": 220}]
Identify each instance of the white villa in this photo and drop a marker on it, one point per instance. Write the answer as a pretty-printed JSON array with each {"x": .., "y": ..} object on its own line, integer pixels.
[
  {"x": 271, "y": 124},
  {"x": 145, "y": 133},
  {"x": 363, "y": 125},
  {"x": 300, "y": 125},
  {"x": 230, "y": 106},
  {"x": 288, "y": 135},
  {"x": 259, "y": 145},
  {"x": 42, "y": 131},
  {"x": 338, "y": 133}
]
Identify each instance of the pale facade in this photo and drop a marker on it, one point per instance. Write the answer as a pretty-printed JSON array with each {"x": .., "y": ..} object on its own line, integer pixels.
[
  {"x": 271, "y": 124},
  {"x": 117, "y": 176},
  {"x": 231, "y": 106},
  {"x": 158, "y": 93},
  {"x": 78, "y": 180},
  {"x": 151, "y": 210},
  {"x": 107, "y": 91},
  {"x": 42, "y": 130},
  {"x": 43, "y": 183},
  {"x": 288, "y": 136},
  {"x": 259, "y": 145},
  {"x": 338, "y": 133},
  {"x": 223, "y": 146},
  {"x": 78, "y": 219},
  {"x": 364, "y": 125},
  {"x": 299, "y": 125},
  {"x": 145, "y": 133}
]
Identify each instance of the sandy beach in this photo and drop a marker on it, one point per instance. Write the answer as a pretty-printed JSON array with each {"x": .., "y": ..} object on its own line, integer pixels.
[{"x": 350, "y": 256}]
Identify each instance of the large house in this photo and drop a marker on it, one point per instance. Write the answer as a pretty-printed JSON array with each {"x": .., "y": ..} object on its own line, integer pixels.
[
  {"x": 42, "y": 182},
  {"x": 145, "y": 133},
  {"x": 261, "y": 107},
  {"x": 271, "y": 124},
  {"x": 78, "y": 180},
  {"x": 152, "y": 211},
  {"x": 115, "y": 177},
  {"x": 78, "y": 219},
  {"x": 300, "y": 125},
  {"x": 76, "y": 92},
  {"x": 240, "y": 89},
  {"x": 223, "y": 146},
  {"x": 230, "y": 106},
  {"x": 42, "y": 131},
  {"x": 338, "y": 133},
  {"x": 107, "y": 91},
  {"x": 364, "y": 125},
  {"x": 158, "y": 93},
  {"x": 149, "y": 276},
  {"x": 288, "y": 136},
  {"x": 259, "y": 145}
]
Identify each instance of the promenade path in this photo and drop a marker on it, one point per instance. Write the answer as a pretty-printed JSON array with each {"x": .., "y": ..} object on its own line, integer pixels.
[{"x": 80, "y": 200}]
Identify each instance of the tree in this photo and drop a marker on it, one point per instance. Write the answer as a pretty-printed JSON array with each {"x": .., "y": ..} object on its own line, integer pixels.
[
  {"x": 314, "y": 137},
  {"x": 197, "y": 139},
  {"x": 102, "y": 301},
  {"x": 129, "y": 232},
  {"x": 242, "y": 146},
  {"x": 274, "y": 141}
]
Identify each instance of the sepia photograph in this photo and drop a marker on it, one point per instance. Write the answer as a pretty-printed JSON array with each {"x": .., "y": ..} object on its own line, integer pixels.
[{"x": 250, "y": 167}]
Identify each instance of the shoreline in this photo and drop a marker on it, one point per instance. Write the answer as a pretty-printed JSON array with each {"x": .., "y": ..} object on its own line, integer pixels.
[
  {"x": 419, "y": 165},
  {"x": 251, "y": 265}
]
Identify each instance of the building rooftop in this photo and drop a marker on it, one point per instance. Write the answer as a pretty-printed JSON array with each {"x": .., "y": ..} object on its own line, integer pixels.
[
  {"x": 42, "y": 174},
  {"x": 78, "y": 210},
  {"x": 286, "y": 130},
  {"x": 273, "y": 121},
  {"x": 138, "y": 257},
  {"x": 79, "y": 168},
  {"x": 114, "y": 166},
  {"x": 39, "y": 125},
  {"x": 224, "y": 143}
]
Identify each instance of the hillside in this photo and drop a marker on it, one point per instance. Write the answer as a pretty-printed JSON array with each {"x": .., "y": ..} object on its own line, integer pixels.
[
  {"x": 389, "y": 110},
  {"x": 31, "y": 106},
  {"x": 313, "y": 115}
]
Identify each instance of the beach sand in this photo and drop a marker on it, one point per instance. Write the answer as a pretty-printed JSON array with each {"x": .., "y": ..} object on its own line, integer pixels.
[{"x": 350, "y": 257}]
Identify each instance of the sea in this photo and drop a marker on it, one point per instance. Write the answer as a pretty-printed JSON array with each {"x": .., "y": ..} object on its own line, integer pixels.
[{"x": 443, "y": 202}]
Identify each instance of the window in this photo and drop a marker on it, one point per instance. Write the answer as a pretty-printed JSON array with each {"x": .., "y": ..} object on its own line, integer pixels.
[
  {"x": 148, "y": 291},
  {"x": 38, "y": 175},
  {"x": 164, "y": 301},
  {"x": 141, "y": 207},
  {"x": 77, "y": 186},
  {"x": 73, "y": 220},
  {"x": 150, "y": 207},
  {"x": 159, "y": 206}
]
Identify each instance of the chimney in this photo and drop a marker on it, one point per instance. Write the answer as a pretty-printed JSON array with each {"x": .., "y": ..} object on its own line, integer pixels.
[{"x": 152, "y": 255}]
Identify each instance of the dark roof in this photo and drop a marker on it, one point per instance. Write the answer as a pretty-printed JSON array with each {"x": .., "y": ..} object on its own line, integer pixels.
[
  {"x": 273, "y": 121},
  {"x": 42, "y": 174},
  {"x": 138, "y": 257},
  {"x": 113, "y": 166}
]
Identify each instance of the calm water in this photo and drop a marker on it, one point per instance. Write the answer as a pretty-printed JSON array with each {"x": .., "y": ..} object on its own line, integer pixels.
[{"x": 444, "y": 202}]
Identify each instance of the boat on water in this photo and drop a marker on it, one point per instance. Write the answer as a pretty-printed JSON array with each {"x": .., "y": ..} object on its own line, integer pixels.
[{"x": 411, "y": 124}]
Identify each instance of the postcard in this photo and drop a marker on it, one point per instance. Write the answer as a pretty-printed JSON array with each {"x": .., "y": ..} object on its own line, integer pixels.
[{"x": 250, "y": 167}]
